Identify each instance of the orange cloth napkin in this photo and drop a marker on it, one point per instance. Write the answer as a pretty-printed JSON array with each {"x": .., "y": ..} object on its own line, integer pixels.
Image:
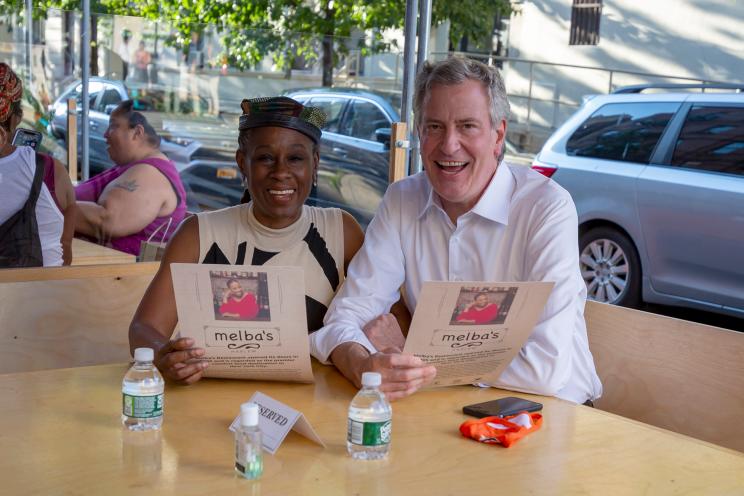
[{"x": 504, "y": 431}]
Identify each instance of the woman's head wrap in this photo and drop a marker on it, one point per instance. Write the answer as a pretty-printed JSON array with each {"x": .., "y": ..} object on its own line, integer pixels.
[
  {"x": 282, "y": 111},
  {"x": 11, "y": 90}
]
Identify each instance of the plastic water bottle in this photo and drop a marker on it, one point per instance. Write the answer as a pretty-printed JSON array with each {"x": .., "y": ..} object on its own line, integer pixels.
[
  {"x": 248, "y": 446},
  {"x": 370, "y": 421},
  {"x": 142, "y": 394}
]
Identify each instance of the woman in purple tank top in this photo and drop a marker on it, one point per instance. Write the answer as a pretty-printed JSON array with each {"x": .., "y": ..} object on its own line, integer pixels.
[{"x": 141, "y": 197}]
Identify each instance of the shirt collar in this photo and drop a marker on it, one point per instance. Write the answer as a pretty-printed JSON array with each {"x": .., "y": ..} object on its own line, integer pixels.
[
  {"x": 432, "y": 200},
  {"x": 496, "y": 200},
  {"x": 493, "y": 205}
]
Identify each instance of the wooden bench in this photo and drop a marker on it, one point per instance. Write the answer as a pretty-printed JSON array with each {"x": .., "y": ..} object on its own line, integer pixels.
[
  {"x": 68, "y": 316},
  {"x": 87, "y": 253},
  {"x": 674, "y": 374}
]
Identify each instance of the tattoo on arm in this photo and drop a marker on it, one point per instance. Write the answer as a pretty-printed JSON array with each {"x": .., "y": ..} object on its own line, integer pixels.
[{"x": 127, "y": 185}]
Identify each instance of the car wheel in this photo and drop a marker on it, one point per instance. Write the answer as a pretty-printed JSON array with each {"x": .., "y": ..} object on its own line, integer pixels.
[{"x": 610, "y": 267}]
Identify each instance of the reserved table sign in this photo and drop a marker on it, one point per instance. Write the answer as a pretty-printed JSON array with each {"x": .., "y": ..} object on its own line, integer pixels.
[{"x": 276, "y": 420}]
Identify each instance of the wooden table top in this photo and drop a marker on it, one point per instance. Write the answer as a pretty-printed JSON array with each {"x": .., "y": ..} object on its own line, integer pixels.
[
  {"x": 87, "y": 253},
  {"x": 61, "y": 434}
]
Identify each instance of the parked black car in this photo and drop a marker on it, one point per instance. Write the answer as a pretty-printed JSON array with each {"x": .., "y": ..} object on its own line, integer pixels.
[{"x": 354, "y": 155}]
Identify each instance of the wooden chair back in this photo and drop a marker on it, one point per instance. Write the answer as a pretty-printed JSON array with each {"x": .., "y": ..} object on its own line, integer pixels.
[
  {"x": 674, "y": 374},
  {"x": 68, "y": 316}
]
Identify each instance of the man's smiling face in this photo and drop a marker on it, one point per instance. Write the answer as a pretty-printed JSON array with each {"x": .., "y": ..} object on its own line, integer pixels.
[{"x": 459, "y": 145}]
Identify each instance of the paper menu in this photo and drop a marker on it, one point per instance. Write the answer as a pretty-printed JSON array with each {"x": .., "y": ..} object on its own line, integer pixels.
[
  {"x": 471, "y": 331},
  {"x": 250, "y": 320}
]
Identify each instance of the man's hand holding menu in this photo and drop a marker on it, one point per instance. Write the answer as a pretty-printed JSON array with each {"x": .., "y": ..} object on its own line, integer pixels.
[{"x": 471, "y": 331}]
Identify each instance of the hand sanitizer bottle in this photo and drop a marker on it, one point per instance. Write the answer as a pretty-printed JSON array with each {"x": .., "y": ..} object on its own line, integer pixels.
[{"x": 248, "y": 447}]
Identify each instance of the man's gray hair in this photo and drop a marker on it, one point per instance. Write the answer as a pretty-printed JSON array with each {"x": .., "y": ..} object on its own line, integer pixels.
[{"x": 456, "y": 70}]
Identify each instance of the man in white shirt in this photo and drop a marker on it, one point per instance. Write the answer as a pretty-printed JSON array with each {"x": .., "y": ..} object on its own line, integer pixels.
[{"x": 468, "y": 217}]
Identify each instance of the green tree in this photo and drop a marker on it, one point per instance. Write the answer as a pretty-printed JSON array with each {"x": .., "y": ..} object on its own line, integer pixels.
[
  {"x": 294, "y": 28},
  {"x": 472, "y": 18},
  {"x": 286, "y": 28},
  {"x": 289, "y": 29},
  {"x": 40, "y": 9}
]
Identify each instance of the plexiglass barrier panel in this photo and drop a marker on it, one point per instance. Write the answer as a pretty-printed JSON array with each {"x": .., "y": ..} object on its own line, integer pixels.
[{"x": 188, "y": 81}]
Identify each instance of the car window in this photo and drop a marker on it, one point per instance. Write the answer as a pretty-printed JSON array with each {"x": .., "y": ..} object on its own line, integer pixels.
[
  {"x": 622, "y": 131},
  {"x": 363, "y": 119},
  {"x": 333, "y": 107},
  {"x": 74, "y": 93},
  {"x": 712, "y": 138},
  {"x": 94, "y": 89},
  {"x": 110, "y": 97}
]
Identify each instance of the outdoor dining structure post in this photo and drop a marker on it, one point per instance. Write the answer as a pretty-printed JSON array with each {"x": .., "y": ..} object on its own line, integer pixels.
[
  {"x": 85, "y": 63},
  {"x": 424, "y": 27},
  {"x": 403, "y": 138}
]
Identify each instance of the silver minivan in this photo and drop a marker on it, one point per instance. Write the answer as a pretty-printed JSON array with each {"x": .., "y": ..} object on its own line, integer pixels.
[{"x": 658, "y": 182}]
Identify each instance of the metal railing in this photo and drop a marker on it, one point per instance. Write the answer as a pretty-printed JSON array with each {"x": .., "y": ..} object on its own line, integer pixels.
[{"x": 561, "y": 71}]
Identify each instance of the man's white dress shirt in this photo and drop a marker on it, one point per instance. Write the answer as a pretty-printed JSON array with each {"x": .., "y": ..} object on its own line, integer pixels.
[{"x": 523, "y": 228}]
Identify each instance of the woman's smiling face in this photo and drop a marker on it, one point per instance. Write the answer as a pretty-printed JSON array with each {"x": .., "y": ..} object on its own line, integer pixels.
[
  {"x": 481, "y": 301},
  {"x": 279, "y": 165},
  {"x": 236, "y": 290}
]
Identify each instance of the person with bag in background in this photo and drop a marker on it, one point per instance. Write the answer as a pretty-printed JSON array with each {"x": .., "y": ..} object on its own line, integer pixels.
[
  {"x": 153, "y": 249},
  {"x": 130, "y": 202},
  {"x": 38, "y": 205}
]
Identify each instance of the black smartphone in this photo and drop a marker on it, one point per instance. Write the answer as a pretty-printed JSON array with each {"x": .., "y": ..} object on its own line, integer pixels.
[
  {"x": 27, "y": 137},
  {"x": 502, "y": 407}
]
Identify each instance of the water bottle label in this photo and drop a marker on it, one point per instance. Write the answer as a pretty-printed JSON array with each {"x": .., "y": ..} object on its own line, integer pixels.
[
  {"x": 142, "y": 406},
  {"x": 369, "y": 433}
]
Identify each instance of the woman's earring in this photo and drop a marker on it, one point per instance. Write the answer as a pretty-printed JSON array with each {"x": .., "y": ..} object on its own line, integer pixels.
[
  {"x": 315, "y": 180},
  {"x": 245, "y": 182}
]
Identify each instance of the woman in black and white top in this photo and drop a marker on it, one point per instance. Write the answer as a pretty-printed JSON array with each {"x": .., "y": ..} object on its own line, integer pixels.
[{"x": 278, "y": 156}]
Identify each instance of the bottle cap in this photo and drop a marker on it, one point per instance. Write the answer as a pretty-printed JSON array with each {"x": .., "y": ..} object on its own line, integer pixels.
[
  {"x": 249, "y": 414},
  {"x": 371, "y": 379},
  {"x": 143, "y": 355}
]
